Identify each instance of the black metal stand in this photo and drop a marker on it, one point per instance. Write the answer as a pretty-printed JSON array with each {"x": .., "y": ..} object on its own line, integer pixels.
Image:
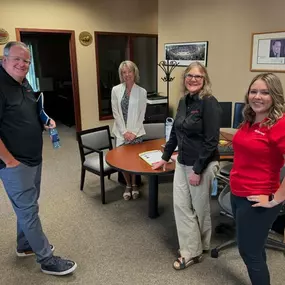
[
  {"x": 167, "y": 67},
  {"x": 153, "y": 196}
]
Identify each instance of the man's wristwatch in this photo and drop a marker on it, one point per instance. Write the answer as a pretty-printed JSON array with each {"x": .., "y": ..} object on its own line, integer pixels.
[{"x": 272, "y": 201}]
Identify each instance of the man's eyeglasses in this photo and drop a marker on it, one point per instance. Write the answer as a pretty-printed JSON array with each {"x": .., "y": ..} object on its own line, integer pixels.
[
  {"x": 195, "y": 77},
  {"x": 18, "y": 59},
  {"x": 261, "y": 92}
]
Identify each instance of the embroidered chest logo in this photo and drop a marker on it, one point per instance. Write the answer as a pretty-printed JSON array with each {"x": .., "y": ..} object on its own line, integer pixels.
[
  {"x": 195, "y": 112},
  {"x": 259, "y": 132}
]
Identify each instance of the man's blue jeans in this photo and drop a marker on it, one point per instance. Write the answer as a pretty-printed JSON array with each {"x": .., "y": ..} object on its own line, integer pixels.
[{"x": 22, "y": 184}]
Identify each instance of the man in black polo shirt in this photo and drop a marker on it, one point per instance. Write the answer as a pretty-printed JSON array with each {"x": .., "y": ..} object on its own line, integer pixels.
[{"x": 21, "y": 158}]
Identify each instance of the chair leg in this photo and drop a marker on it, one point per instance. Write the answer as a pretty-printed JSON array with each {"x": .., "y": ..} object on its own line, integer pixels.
[
  {"x": 102, "y": 182},
  {"x": 109, "y": 176},
  {"x": 275, "y": 244},
  {"x": 82, "y": 178},
  {"x": 215, "y": 251}
]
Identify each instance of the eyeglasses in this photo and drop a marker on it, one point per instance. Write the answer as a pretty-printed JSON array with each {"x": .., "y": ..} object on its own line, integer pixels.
[
  {"x": 254, "y": 92},
  {"x": 18, "y": 59},
  {"x": 195, "y": 77}
]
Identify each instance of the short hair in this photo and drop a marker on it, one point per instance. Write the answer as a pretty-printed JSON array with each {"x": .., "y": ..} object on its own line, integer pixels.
[
  {"x": 132, "y": 66},
  {"x": 9, "y": 45},
  {"x": 206, "y": 89},
  {"x": 275, "y": 41},
  {"x": 275, "y": 89}
]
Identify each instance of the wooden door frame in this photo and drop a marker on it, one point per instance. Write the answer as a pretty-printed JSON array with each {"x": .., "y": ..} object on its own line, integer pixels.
[{"x": 73, "y": 66}]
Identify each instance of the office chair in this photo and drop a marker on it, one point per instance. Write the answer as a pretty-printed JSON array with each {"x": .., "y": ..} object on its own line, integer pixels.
[
  {"x": 93, "y": 146},
  {"x": 225, "y": 203},
  {"x": 154, "y": 131},
  {"x": 238, "y": 116}
]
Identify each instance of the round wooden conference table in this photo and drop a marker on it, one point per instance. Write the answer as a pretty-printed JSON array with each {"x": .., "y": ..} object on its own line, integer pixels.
[{"x": 126, "y": 158}]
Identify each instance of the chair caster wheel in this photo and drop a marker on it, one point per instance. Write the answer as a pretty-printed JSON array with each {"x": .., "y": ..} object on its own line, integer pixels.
[{"x": 214, "y": 253}]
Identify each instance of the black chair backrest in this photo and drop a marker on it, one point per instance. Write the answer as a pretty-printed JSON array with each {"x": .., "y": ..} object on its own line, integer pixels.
[
  {"x": 96, "y": 138},
  {"x": 282, "y": 173}
]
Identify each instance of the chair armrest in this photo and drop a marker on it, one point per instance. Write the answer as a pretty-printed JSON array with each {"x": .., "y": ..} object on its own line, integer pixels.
[
  {"x": 93, "y": 149},
  {"x": 223, "y": 178}
]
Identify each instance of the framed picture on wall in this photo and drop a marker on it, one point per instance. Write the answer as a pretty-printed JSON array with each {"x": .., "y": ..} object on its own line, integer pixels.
[
  {"x": 268, "y": 52},
  {"x": 186, "y": 53}
]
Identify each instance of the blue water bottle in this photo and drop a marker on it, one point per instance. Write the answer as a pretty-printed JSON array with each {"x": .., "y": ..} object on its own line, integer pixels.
[
  {"x": 214, "y": 187},
  {"x": 54, "y": 138},
  {"x": 168, "y": 126}
]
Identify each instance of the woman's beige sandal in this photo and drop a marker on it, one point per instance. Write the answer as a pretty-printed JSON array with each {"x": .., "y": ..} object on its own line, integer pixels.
[
  {"x": 135, "y": 192},
  {"x": 127, "y": 194}
]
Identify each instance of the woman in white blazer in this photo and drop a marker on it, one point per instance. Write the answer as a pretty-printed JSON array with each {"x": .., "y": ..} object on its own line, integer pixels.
[{"x": 128, "y": 106}]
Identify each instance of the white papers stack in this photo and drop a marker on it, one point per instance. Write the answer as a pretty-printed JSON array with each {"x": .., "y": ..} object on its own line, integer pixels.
[{"x": 151, "y": 156}]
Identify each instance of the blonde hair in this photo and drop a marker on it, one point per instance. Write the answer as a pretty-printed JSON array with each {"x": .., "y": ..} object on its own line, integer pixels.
[
  {"x": 131, "y": 66},
  {"x": 206, "y": 89},
  {"x": 275, "y": 89}
]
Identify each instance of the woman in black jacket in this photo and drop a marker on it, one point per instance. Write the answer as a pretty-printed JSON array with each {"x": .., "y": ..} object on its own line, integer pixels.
[{"x": 196, "y": 132}]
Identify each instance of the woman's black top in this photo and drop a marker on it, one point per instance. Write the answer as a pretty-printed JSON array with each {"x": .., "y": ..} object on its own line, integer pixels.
[{"x": 196, "y": 131}]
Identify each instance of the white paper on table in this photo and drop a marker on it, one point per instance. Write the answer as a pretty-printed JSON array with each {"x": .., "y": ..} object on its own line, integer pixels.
[{"x": 151, "y": 156}]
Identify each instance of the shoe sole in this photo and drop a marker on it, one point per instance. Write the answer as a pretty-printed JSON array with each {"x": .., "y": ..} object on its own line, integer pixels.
[
  {"x": 31, "y": 253},
  {"x": 70, "y": 270}
]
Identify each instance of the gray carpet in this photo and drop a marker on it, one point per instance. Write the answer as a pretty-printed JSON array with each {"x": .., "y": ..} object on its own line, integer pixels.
[{"x": 114, "y": 243}]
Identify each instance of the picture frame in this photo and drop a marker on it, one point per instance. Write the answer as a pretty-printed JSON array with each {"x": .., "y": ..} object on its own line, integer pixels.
[
  {"x": 186, "y": 53},
  {"x": 268, "y": 52}
]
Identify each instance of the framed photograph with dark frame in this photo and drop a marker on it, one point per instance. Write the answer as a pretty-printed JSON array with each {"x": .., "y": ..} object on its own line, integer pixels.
[
  {"x": 186, "y": 53},
  {"x": 268, "y": 52}
]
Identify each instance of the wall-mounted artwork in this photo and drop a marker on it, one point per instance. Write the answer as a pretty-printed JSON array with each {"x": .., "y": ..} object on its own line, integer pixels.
[
  {"x": 85, "y": 38},
  {"x": 186, "y": 53},
  {"x": 4, "y": 36},
  {"x": 268, "y": 52}
]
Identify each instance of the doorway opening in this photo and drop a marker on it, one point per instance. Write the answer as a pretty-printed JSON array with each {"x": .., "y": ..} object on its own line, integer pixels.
[{"x": 54, "y": 72}]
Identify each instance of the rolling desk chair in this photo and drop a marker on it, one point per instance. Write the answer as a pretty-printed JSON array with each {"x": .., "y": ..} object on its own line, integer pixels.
[{"x": 225, "y": 204}]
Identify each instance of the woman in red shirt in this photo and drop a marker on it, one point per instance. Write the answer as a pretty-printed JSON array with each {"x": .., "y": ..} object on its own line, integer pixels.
[{"x": 259, "y": 149}]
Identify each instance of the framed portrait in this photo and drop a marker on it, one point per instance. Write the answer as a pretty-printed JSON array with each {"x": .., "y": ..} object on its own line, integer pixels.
[
  {"x": 186, "y": 53},
  {"x": 268, "y": 52}
]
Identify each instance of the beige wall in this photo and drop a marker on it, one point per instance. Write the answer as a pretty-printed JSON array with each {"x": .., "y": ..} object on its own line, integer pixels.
[
  {"x": 227, "y": 25},
  {"x": 134, "y": 16}
]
